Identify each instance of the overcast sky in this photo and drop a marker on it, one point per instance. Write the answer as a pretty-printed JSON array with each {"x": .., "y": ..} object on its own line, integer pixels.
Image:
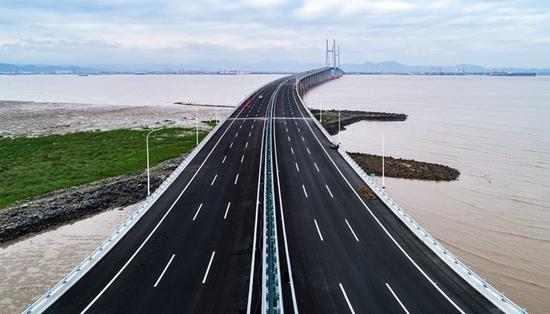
[{"x": 443, "y": 32}]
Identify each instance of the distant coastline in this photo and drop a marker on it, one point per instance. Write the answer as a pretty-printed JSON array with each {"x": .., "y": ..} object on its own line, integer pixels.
[{"x": 366, "y": 68}]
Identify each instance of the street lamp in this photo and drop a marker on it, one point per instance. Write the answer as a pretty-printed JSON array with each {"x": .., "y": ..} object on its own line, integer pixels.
[
  {"x": 197, "y": 125},
  {"x": 383, "y": 172},
  {"x": 148, "y": 172},
  {"x": 339, "y": 129}
]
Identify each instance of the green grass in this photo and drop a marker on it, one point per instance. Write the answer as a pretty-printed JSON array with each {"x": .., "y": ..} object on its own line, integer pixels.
[
  {"x": 211, "y": 123},
  {"x": 34, "y": 166},
  {"x": 326, "y": 116}
]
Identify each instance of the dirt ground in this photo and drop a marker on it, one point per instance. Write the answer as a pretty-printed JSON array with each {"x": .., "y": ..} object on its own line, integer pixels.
[{"x": 21, "y": 118}]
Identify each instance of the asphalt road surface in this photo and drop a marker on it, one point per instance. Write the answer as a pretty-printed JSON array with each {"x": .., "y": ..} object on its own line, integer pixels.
[
  {"x": 192, "y": 251},
  {"x": 340, "y": 252},
  {"x": 198, "y": 248}
]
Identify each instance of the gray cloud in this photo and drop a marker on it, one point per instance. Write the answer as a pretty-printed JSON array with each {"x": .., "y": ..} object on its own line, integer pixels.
[{"x": 491, "y": 33}]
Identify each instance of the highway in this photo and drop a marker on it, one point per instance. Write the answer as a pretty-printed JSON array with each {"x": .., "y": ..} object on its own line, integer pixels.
[
  {"x": 198, "y": 249},
  {"x": 192, "y": 252},
  {"x": 342, "y": 252}
]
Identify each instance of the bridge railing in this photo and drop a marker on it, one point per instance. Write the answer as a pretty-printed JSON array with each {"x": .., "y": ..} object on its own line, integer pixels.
[
  {"x": 96, "y": 255},
  {"x": 465, "y": 272}
]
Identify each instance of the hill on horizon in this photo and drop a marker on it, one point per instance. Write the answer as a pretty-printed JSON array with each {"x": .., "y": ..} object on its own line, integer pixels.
[{"x": 265, "y": 66}]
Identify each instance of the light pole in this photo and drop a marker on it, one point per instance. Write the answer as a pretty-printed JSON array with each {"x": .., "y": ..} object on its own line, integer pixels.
[
  {"x": 197, "y": 125},
  {"x": 148, "y": 171},
  {"x": 383, "y": 174},
  {"x": 321, "y": 112},
  {"x": 339, "y": 129}
]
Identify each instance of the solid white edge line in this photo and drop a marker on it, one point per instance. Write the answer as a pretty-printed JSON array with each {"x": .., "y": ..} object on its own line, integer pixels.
[
  {"x": 251, "y": 280},
  {"x": 346, "y": 297},
  {"x": 329, "y": 192},
  {"x": 214, "y": 180},
  {"x": 304, "y": 188},
  {"x": 318, "y": 230},
  {"x": 198, "y": 210},
  {"x": 158, "y": 224},
  {"x": 379, "y": 222},
  {"x": 287, "y": 253},
  {"x": 352, "y": 232},
  {"x": 163, "y": 271},
  {"x": 208, "y": 268},
  {"x": 399, "y": 301},
  {"x": 226, "y": 210}
]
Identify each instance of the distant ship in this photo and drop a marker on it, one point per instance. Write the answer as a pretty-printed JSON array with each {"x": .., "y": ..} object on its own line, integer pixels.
[
  {"x": 497, "y": 73},
  {"x": 82, "y": 74}
]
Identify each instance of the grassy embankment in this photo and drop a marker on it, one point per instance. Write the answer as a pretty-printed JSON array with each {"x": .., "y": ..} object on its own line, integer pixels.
[
  {"x": 34, "y": 166},
  {"x": 327, "y": 116},
  {"x": 211, "y": 123}
]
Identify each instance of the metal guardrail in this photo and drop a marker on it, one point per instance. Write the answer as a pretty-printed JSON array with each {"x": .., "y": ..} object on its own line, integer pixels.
[
  {"x": 272, "y": 299},
  {"x": 476, "y": 281},
  {"x": 93, "y": 258}
]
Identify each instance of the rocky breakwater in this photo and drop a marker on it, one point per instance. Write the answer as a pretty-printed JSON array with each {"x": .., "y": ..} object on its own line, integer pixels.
[
  {"x": 58, "y": 207},
  {"x": 405, "y": 168},
  {"x": 347, "y": 117}
]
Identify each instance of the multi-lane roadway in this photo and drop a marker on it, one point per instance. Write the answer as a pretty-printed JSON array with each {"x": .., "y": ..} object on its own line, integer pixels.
[
  {"x": 342, "y": 252},
  {"x": 198, "y": 248}
]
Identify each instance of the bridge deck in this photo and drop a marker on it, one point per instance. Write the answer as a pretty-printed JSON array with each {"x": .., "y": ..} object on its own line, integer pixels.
[{"x": 193, "y": 251}]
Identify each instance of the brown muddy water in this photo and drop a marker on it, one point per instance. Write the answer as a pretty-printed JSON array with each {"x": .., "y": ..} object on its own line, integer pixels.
[
  {"x": 29, "y": 267},
  {"x": 496, "y": 131}
]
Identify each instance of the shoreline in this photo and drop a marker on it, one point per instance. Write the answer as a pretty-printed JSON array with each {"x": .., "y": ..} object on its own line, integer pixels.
[
  {"x": 33, "y": 119},
  {"x": 62, "y": 206}
]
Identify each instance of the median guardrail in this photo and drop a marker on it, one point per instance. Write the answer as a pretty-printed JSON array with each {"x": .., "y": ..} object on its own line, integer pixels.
[
  {"x": 465, "y": 272},
  {"x": 272, "y": 297}
]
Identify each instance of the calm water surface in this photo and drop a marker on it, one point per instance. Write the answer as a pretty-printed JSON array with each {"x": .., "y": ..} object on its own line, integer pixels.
[
  {"x": 496, "y": 131},
  {"x": 131, "y": 89}
]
